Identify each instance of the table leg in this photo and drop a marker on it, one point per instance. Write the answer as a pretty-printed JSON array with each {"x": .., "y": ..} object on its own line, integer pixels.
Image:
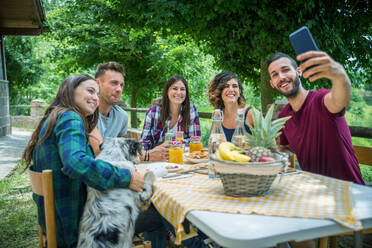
[
  {"x": 282, "y": 245},
  {"x": 358, "y": 239},
  {"x": 323, "y": 242}
]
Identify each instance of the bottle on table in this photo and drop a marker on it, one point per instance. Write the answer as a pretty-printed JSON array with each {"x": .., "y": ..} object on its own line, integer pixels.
[
  {"x": 216, "y": 137},
  {"x": 239, "y": 137}
]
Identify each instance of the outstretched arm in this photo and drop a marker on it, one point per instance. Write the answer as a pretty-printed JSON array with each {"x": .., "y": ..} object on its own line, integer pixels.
[{"x": 325, "y": 67}]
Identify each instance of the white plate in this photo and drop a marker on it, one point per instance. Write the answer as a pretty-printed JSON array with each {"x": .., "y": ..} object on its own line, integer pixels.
[
  {"x": 194, "y": 160},
  {"x": 170, "y": 167}
]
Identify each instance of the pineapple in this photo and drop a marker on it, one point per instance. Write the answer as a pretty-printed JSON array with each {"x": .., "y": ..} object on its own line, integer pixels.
[
  {"x": 264, "y": 132},
  {"x": 257, "y": 152}
]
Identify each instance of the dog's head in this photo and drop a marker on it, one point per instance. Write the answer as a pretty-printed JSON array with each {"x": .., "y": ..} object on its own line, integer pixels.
[{"x": 120, "y": 149}]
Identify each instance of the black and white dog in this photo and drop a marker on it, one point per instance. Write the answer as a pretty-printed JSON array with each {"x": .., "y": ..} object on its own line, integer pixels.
[{"x": 109, "y": 216}]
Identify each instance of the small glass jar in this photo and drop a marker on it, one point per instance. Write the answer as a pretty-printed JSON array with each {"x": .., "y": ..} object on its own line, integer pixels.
[
  {"x": 195, "y": 144},
  {"x": 168, "y": 137},
  {"x": 176, "y": 152}
]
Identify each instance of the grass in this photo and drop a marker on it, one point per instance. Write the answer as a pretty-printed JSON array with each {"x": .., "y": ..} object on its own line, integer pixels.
[{"x": 18, "y": 222}]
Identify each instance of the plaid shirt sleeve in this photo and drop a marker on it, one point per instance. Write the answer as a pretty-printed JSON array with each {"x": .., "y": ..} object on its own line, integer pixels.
[
  {"x": 150, "y": 128},
  {"x": 194, "y": 127},
  {"x": 78, "y": 163}
]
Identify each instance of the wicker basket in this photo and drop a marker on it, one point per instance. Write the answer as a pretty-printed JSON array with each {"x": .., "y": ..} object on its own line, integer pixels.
[{"x": 248, "y": 179}]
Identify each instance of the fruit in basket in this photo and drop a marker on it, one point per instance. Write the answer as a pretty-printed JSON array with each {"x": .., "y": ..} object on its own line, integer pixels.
[
  {"x": 238, "y": 157},
  {"x": 264, "y": 132},
  {"x": 228, "y": 151},
  {"x": 218, "y": 156},
  {"x": 258, "y": 152},
  {"x": 266, "y": 159}
]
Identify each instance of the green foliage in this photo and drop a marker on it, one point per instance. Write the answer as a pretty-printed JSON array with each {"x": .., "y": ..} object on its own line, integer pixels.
[
  {"x": 91, "y": 32},
  {"x": 366, "y": 172},
  {"x": 23, "y": 67},
  {"x": 240, "y": 33},
  {"x": 357, "y": 104}
]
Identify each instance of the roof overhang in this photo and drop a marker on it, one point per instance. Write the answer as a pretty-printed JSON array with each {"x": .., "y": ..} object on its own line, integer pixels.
[{"x": 21, "y": 17}]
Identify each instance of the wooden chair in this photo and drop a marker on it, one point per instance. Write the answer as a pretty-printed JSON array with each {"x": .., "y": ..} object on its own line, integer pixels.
[
  {"x": 134, "y": 133},
  {"x": 42, "y": 185},
  {"x": 143, "y": 244},
  {"x": 364, "y": 156}
]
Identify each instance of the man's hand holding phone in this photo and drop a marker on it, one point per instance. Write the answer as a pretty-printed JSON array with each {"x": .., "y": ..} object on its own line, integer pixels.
[{"x": 318, "y": 65}]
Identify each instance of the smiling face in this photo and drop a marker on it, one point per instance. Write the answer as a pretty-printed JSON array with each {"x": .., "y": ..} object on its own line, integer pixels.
[
  {"x": 177, "y": 93},
  {"x": 111, "y": 86},
  {"x": 231, "y": 92},
  {"x": 284, "y": 78},
  {"x": 86, "y": 96}
]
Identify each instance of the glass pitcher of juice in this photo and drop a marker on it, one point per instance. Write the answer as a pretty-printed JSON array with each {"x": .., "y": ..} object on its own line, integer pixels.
[
  {"x": 195, "y": 144},
  {"x": 175, "y": 152}
]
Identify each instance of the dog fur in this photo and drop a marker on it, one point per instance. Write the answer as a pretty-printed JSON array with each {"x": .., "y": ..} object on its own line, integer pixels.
[{"x": 109, "y": 216}]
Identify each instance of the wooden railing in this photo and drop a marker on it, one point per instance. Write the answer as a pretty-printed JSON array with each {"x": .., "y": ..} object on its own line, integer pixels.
[{"x": 356, "y": 131}]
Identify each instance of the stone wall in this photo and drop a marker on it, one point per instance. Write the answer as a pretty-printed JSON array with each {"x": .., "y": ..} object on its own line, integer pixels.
[
  {"x": 37, "y": 111},
  {"x": 4, "y": 109}
]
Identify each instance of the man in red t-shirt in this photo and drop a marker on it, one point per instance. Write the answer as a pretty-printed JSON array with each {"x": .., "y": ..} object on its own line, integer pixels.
[{"x": 317, "y": 131}]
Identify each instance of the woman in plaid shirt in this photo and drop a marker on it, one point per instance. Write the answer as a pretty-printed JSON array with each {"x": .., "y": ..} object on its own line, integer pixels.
[
  {"x": 60, "y": 143},
  {"x": 175, "y": 113}
]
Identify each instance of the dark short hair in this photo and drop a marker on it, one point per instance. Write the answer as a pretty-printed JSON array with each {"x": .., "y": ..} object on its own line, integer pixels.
[
  {"x": 114, "y": 66},
  {"x": 279, "y": 55},
  {"x": 216, "y": 87}
]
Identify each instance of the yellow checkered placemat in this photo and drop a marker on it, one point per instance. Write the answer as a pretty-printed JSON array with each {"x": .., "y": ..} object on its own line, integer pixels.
[{"x": 304, "y": 195}]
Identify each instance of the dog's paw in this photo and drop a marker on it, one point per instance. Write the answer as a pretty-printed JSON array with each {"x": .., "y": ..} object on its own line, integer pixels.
[{"x": 150, "y": 177}]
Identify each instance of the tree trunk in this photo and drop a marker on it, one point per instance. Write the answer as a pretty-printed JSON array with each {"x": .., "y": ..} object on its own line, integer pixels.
[
  {"x": 267, "y": 93},
  {"x": 133, "y": 104}
]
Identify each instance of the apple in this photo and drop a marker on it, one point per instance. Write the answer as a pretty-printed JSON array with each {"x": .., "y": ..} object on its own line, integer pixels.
[{"x": 266, "y": 159}]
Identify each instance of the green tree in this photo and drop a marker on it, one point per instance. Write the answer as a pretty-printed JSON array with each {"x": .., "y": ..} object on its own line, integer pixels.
[
  {"x": 23, "y": 68},
  {"x": 241, "y": 34},
  {"x": 87, "y": 35}
]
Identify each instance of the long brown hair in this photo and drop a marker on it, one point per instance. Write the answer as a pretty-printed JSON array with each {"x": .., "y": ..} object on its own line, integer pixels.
[
  {"x": 165, "y": 106},
  {"x": 216, "y": 86},
  {"x": 63, "y": 102}
]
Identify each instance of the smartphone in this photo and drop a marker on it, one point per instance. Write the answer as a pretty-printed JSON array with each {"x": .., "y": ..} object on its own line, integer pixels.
[{"x": 302, "y": 41}]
